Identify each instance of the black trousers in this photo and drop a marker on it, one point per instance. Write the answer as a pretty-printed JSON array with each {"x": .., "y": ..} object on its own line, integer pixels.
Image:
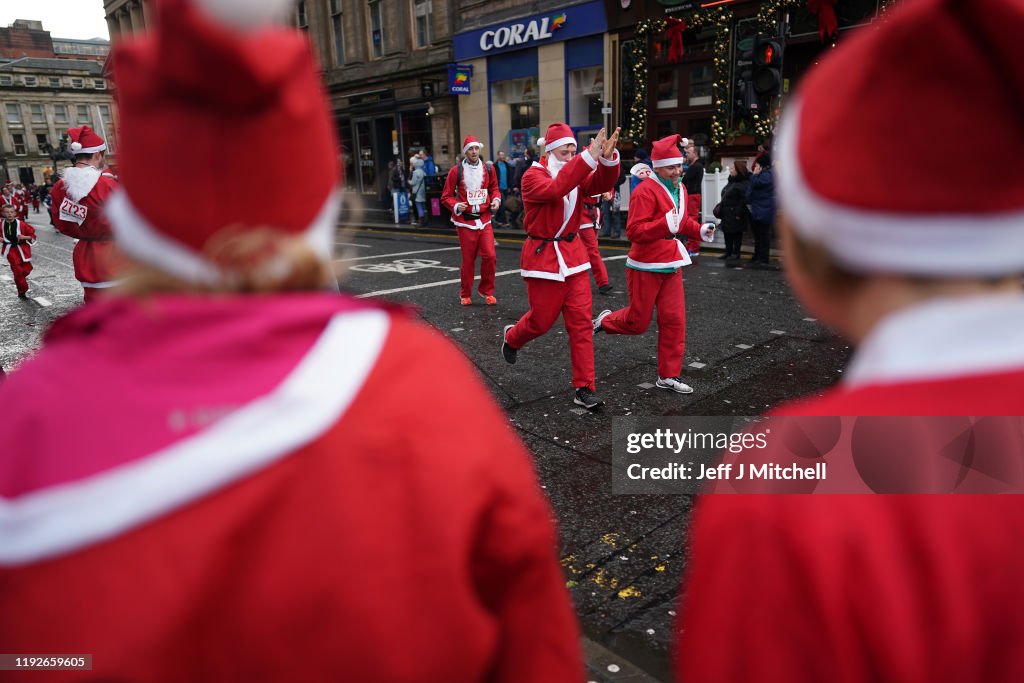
[
  {"x": 762, "y": 241},
  {"x": 733, "y": 242}
]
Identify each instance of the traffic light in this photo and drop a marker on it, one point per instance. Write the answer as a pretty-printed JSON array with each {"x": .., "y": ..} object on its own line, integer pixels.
[{"x": 767, "y": 76}]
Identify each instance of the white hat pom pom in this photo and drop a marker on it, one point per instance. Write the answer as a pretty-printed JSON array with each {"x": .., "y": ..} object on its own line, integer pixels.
[
  {"x": 540, "y": 142},
  {"x": 76, "y": 146},
  {"x": 246, "y": 15}
]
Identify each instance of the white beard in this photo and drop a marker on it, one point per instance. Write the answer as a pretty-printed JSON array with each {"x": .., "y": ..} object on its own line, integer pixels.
[
  {"x": 473, "y": 175},
  {"x": 554, "y": 165},
  {"x": 80, "y": 181}
]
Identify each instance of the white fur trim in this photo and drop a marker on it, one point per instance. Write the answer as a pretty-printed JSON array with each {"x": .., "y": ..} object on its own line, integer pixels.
[
  {"x": 78, "y": 182},
  {"x": 558, "y": 143},
  {"x": 246, "y": 15},
  {"x": 976, "y": 335},
  {"x": 542, "y": 275},
  {"x": 140, "y": 240},
  {"x": 945, "y": 245},
  {"x": 312, "y": 398},
  {"x": 661, "y": 163},
  {"x": 472, "y": 144},
  {"x": 591, "y": 162},
  {"x": 614, "y": 161}
]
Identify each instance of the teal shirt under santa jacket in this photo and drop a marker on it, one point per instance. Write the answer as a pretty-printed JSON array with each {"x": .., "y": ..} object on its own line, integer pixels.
[{"x": 658, "y": 225}]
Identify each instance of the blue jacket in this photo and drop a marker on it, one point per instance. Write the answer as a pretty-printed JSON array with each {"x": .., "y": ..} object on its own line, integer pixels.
[{"x": 761, "y": 196}]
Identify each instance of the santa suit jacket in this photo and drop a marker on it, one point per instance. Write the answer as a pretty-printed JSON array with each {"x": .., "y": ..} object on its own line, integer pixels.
[
  {"x": 77, "y": 208},
  {"x": 25, "y": 235},
  {"x": 276, "y": 515},
  {"x": 11, "y": 200},
  {"x": 552, "y": 208},
  {"x": 654, "y": 222},
  {"x": 851, "y": 588},
  {"x": 452, "y": 195}
]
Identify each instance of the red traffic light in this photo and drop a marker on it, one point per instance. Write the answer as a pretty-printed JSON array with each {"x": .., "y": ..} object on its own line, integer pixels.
[{"x": 767, "y": 52}]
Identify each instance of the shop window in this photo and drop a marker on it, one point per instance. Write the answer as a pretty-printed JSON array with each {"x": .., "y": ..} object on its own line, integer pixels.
[
  {"x": 37, "y": 113},
  {"x": 667, "y": 88},
  {"x": 701, "y": 78},
  {"x": 376, "y": 29},
  {"x": 515, "y": 115},
  {"x": 13, "y": 113},
  {"x": 338, "y": 31},
  {"x": 627, "y": 83},
  {"x": 664, "y": 128},
  {"x": 367, "y": 163},
  {"x": 60, "y": 114},
  {"x": 586, "y": 96},
  {"x": 301, "y": 19},
  {"x": 422, "y": 12},
  {"x": 20, "y": 149}
]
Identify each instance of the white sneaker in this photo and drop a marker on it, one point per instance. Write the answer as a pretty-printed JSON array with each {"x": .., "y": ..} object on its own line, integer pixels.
[
  {"x": 597, "y": 321},
  {"x": 674, "y": 384}
]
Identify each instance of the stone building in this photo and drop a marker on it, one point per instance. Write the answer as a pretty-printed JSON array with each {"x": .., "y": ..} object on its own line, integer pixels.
[{"x": 41, "y": 96}]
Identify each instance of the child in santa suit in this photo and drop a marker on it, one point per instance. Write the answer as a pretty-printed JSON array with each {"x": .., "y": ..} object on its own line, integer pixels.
[
  {"x": 553, "y": 261},
  {"x": 927, "y": 284},
  {"x": 471, "y": 193},
  {"x": 8, "y": 197},
  {"x": 659, "y": 223},
  {"x": 215, "y": 473},
  {"x": 18, "y": 237}
]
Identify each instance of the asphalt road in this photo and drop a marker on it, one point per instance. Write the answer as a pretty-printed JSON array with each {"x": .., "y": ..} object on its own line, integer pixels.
[{"x": 749, "y": 346}]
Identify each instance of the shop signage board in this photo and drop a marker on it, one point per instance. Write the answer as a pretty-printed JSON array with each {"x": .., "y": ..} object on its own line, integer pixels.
[
  {"x": 460, "y": 78},
  {"x": 575, "y": 21}
]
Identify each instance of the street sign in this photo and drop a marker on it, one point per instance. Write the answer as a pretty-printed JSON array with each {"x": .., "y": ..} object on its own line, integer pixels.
[{"x": 606, "y": 110}]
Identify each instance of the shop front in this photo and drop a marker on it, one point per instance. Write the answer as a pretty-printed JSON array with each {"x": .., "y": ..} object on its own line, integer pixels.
[{"x": 533, "y": 71}]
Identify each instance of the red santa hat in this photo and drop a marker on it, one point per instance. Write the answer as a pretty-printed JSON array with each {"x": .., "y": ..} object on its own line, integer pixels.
[
  {"x": 222, "y": 112},
  {"x": 471, "y": 141},
  {"x": 919, "y": 215},
  {"x": 666, "y": 151},
  {"x": 558, "y": 135},
  {"x": 85, "y": 141}
]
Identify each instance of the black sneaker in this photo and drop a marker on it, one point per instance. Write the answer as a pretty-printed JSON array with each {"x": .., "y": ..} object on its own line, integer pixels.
[
  {"x": 605, "y": 289},
  {"x": 587, "y": 398},
  {"x": 507, "y": 352}
]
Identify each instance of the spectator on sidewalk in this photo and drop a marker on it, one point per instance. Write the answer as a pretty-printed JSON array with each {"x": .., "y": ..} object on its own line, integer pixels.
[
  {"x": 504, "y": 171},
  {"x": 761, "y": 201},
  {"x": 732, "y": 211},
  {"x": 219, "y": 474},
  {"x": 418, "y": 188}
]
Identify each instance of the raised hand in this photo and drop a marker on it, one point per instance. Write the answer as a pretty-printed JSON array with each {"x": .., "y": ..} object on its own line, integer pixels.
[
  {"x": 608, "y": 150},
  {"x": 597, "y": 144}
]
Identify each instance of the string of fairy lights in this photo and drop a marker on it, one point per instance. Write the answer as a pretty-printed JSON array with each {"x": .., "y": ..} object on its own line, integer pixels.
[{"x": 721, "y": 18}]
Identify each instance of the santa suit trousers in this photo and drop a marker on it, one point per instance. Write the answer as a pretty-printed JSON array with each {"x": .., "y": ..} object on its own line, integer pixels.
[
  {"x": 20, "y": 269},
  {"x": 693, "y": 209},
  {"x": 589, "y": 237},
  {"x": 476, "y": 243},
  {"x": 572, "y": 299},
  {"x": 647, "y": 291}
]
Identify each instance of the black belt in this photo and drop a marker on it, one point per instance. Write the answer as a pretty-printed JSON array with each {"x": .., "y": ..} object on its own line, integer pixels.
[{"x": 568, "y": 238}]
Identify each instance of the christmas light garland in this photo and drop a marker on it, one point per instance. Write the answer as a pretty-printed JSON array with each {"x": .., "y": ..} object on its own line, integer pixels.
[{"x": 719, "y": 17}]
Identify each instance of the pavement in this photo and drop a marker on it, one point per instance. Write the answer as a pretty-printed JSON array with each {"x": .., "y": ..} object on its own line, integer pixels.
[{"x": 749, "y": 347}]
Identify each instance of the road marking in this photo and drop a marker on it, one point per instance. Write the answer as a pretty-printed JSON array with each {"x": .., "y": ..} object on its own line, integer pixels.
[
  {"x": 698, "y": 365},
  {"x": 776, "y": 332},
  {"x": 745, "y": 347},
  {"x": 450, "y": 282},
  {"x": 401, "y": 253},
  {"x": 353, "y": 244},
  {"x": 42, "y": 301},
  {"x": 64, "y": 264}
]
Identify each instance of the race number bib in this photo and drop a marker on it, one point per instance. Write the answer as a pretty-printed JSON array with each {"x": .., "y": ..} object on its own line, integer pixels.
[
  {"x": 72, "y": 211},
  {"x": 476, "y": 197}
]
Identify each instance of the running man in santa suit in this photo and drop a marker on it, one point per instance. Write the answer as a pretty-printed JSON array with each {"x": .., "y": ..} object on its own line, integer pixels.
[
  {"x": 554, "y": 263},
  {"x": 78, "y": 211},
  {"x": 659, "y": 224},
  {"x": 214, "y": 473},
  {"x": 16, "y": 246},
  {"x": 471, "y": 193},
  {"x": 591, "y": 223},
  {"x": 919, "y": 588}
]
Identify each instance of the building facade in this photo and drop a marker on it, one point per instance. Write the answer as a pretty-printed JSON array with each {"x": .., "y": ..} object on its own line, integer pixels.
[
  {"x": 529, "y": 67},
  {"x": 125, "y": 17},
  {"x": 41, "y": 97},
  {"x": 385, "y": 68}
]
